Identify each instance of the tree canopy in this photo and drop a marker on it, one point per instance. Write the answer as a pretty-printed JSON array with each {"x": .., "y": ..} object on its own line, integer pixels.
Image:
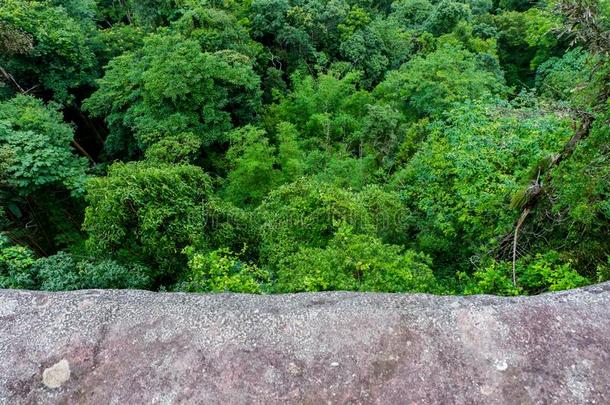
[{"x": 451, "y": 147}]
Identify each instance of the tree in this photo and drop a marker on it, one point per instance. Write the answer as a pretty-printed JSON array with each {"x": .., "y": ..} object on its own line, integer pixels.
[
  {"x": 585, "y": 23},
  {"x": 216, "y": 30},
  {"x": 41, "y": 178},
  {"x": 293, "y": 145},
  {"x": 252, "y": 162},
  {"x": 209, "y": 93},
  {"x": 381, "y": 133},
  {"x": 290, "y": 153},
  {"x": 432, "y": 84},
  {"x": 324, "y": 111},
  {"x": 573, "y": 214},
  {"x": 565, "y": 79},
  {"x": 147, "y": 214},
  {"x": 306, "y": 213},
  {"x": 286, "y": 30},
  {"x": 457, "y": 183},
  {"x": 376, "y": 48},
  {"x": 39, "y": 145},
  {"x": 14, "y": 41},
  {"x": 446, "y": 15},
  {"x": 355, "y": 262},
  {"x": 525, "y": 40},
  {"x": 59, "y": 58},
  {"x": 412, "y": 13}
]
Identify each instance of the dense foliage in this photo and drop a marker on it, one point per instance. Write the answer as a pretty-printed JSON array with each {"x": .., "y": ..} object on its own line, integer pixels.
[{"x": 443, "y": 146}]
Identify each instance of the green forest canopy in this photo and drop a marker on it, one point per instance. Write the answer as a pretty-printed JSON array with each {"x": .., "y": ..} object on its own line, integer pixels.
[{"x": 442, "y": 146}]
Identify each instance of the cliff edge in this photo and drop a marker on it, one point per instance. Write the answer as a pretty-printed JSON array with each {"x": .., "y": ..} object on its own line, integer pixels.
[{"x": 131, "y": 347}]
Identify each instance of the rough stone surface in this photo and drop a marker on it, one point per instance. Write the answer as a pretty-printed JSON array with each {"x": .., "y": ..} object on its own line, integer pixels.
[{"x": 132, "y": 347}]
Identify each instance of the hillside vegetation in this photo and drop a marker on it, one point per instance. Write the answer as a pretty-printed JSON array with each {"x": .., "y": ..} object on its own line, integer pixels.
[{"x": 263, "y": 146}]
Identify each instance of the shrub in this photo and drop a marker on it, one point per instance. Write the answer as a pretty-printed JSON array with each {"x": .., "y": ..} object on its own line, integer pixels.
[
  {"x": 61, "y": 272},
  {"x": 220, "y": 271},
  {"x": 16, "y": 266},
  {"x": 147, "y": 212},
  {"x": 358, "y": 263},
  {"x": 307, "y": 213},
  {"x": 535, "y": 275}
]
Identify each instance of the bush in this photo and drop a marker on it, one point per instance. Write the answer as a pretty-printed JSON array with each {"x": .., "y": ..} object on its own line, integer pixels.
[
  {"x": 307, "y": 213},
  {"x": 357, "y": 263},
  {"x": 61, "y": 272},
  {"x": 548, "y": 272},
  {"x": 147, "y": 211},
  {"x": 16, "y": 266},
  {"x": 57, "y": 273},
  {"x": 535, "y": 275},
  {"x": 494, "y": 279},
  {"x": 603, "y": 271},
  {"x": 220, "y": 271},
  {"x": 231, "y": 227}
]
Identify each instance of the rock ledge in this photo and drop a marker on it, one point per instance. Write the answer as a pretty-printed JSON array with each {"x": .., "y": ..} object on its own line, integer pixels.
[{"x": 128, "y": 347}]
